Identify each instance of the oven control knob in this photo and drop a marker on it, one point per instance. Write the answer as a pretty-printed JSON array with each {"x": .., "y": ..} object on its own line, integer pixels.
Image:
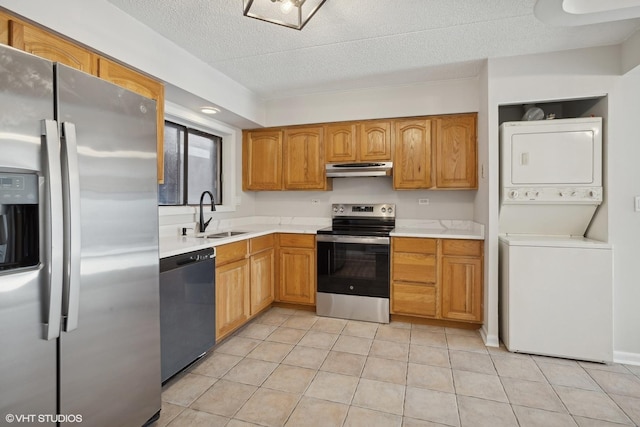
[
  {"x": 531, "y": 194},
  {"x": 390, "y": 210},
  {"x": 351, "y": 287},
  {"x": 574, "y": 193},
  {"x": 593, "y": 193},
  {"x": 335, "y": 210},
  {"x": 513, "y": 194},
  {"x": 341, "y": 209},
  {"x": 383, "y": 210},
  {"x": 563, "y": 194}
]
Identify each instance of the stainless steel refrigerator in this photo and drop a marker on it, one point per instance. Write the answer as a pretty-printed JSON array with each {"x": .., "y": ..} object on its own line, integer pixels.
[{"x": 79, "y": 300}]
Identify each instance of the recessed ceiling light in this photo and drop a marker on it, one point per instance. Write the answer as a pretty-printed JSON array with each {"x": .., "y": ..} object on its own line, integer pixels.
[{"x": 210, "y": 110}]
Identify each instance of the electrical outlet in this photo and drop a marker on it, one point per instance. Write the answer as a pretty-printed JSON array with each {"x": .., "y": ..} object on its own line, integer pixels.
[
  {"x": 423, "y": 201},
  {"x": 315, "y": 201},
  {"x": 637, "y": 204}
]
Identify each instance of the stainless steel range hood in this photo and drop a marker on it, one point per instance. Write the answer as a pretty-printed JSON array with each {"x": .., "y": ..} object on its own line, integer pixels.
[{"x": 344, "y": 170}]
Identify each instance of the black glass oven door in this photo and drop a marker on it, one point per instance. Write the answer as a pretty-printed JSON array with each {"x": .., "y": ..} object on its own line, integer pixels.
[{"x": 353, "y": 269}]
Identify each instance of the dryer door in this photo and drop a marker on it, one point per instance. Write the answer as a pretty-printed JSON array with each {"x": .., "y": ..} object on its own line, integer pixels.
[{"x": 550, "y": 158}]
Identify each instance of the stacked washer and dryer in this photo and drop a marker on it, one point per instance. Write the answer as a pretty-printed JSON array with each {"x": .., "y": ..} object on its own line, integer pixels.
[{"x": 556, "y": 287}]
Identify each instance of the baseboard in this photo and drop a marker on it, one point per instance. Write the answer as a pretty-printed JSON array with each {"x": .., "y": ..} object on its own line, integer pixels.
[
  {"x": 489, "y": 340},
  {"x": 626, "y": 358}
]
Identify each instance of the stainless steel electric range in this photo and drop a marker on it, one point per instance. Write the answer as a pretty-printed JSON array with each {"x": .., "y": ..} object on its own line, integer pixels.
[{"x": 353, "y": 262}]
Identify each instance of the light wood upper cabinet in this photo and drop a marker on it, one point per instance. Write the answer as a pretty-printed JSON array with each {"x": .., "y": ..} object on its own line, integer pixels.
[
  {"x": 303, "y": 159},
  {"x": 262, "y": 160},
  {"x": 4, "y": 28},
  {"x": 297, "y": 268},
  {"x": 412, "y": 160},
  {"x": 456, "y": 157},
  {"x": 375, "y": 140},
  {"x": 358, "y": 141},
  {"x": 47, "y": 45},
  {"x": 340, "y": 142},
  {"x": 142, "y": 85}
]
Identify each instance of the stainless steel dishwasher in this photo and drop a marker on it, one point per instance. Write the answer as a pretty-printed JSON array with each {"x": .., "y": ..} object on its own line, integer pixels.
[{"x": 187, "y": 309}]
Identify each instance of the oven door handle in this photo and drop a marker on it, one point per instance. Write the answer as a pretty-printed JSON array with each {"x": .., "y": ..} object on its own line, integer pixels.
[{"x": 365, "y": 240}]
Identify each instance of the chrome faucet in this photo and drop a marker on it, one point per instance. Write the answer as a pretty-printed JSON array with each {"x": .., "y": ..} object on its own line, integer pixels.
[{"x": 203, "y": 225}]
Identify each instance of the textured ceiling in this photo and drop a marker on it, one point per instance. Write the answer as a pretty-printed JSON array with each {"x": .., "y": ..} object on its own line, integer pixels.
[{"x": 351, "y": 44}]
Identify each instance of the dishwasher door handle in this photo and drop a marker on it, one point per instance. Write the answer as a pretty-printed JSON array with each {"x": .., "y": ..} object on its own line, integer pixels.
[
  {"x": 180, "y": 261},
  {"x": 187, "y": 261}
]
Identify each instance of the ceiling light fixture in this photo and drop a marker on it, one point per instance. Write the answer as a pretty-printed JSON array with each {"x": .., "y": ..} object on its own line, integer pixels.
[
  {"x": 288, "y": 13},
  {"x": 209, "y": 110}
]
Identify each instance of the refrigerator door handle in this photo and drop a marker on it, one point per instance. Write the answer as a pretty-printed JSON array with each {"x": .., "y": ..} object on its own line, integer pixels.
[
  {"x": 71, "y": 198},
  {"x": 53, "y": 217}
]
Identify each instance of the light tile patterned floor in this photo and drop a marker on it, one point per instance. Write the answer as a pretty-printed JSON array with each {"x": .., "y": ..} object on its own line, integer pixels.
[{"x": 290, "y": 367}]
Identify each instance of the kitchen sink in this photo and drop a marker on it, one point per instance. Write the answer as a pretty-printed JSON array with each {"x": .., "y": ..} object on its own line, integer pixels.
[{"x": 224, "y": 234}]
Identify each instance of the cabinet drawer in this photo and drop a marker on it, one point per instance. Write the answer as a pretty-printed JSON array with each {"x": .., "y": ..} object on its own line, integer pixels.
[
  {"x": 462, "y": 247},
  {"x": 231, "y": 252},
  {"x": 261, "y": 243},
  {"x": 298, "y": 240},
  {"x": 414, "y": 244},
  {"x": 413, "y": 267},
  {"x": 413, "y": 299}
]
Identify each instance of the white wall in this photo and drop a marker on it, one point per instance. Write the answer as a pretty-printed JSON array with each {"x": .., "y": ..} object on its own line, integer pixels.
[
  {"x": 442, "y": 204},
  {"x": 630, "y": 51},
  {"x": 442, "y": 97},
  {"x": 484, "y": 213},
  {"x": 624, "y": 225}
]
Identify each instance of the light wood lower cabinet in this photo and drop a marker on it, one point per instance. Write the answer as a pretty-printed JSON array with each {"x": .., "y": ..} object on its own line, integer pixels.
[
  {"x": 262, "y": 272},
  {"x": 413, "y": 276},
  {"x": 245, "y": 277},
  {"x": 462, "y": 280},
  {"x": 232, "y": 297},
  {"x": 437, "y": 278},
  {"x": 297, "y": 268}
]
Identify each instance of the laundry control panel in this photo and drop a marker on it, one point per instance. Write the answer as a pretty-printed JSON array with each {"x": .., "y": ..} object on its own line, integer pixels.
[{"x": 569, "y": 195}]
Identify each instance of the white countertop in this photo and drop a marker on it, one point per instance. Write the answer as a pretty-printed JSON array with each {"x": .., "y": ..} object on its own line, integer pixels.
[
  {"x": 553, "y": 241},
  {"x": 443, "y": 229},
  {"x": 439, "y": 229},
  {"x": 177, "y": 245}
]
